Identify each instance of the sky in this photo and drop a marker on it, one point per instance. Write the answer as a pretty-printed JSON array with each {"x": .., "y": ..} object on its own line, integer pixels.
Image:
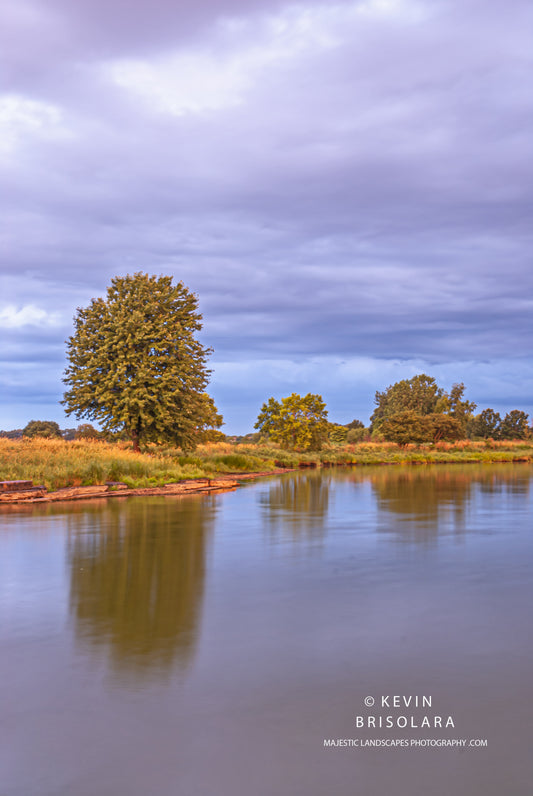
[{"x": 346, "y": 186}]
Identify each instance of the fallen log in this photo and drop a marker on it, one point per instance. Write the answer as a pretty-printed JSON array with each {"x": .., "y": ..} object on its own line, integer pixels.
[{"x": 15, "y": 486}]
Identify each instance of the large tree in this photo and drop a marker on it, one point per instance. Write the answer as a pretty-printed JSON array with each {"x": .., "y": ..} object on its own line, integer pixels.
[
  {"x": 421, "y": 404},
  {"x": 295, "y": 422},
  {"x": 420, "y": 395},
  {"x": 136, "y": 365}
]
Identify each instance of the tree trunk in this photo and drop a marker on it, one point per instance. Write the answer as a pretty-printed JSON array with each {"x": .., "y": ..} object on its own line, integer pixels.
[{"x": 135, "y": 437}]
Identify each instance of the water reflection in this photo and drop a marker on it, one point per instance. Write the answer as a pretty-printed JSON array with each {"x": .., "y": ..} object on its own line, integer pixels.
[
  {"x": 137, "y": 574},
  {"x": 424, "y": 504},
  {"x": 297, "y": 506},
  {"x": 432, "y": 500},
  {"x": 290, "y": 643},
  {"x": 416, "y": 503}
]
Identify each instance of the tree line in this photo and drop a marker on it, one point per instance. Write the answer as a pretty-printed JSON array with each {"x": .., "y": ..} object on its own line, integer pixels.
[
  {"x": 412, "y": 410},
  {"x": 136, "y": 367}
]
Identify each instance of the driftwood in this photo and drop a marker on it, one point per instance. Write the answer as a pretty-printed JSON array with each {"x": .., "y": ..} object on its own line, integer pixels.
[{"x": 15, "y": 486}]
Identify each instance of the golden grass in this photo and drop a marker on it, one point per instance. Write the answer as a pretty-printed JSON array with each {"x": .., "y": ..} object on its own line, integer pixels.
[{"x": 56, "y": 463}]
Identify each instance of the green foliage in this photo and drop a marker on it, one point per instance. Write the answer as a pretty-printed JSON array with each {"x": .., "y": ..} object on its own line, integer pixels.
[
  {"x": 405, "y": 426},
  {"x": 295, "y": 422},
  {"x": 337, "y": 434},
  {"x": 87, "y": 431},
  {"x": 418, "y": 410},
  {"x": 514, "y": 425},
  {"x": 446, "y": 427},
  {"x": 136, "y": 365},
  {"x": 459, "y": 408},
  {"x": 408, "y": 427},
  {"x": 41, "y": 428},
  {"x": 355, "y": 424},
  {"x": 486, "y": 424},
  {"x": 356, "y": 434},
  {"x": 236, "y": 462},
  {"x": 15, "y": 433},
  {"x": 418, "y": 395}
]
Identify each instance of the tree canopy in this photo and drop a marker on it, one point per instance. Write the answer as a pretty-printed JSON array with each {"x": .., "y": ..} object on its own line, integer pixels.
[
  {"x": 295, "y": 421},
  {"x": 486, "y": 424},
  {"x": 514, "y": 425},
  {"x": 136, "y": 365},
  {"x": 418, "y": 410},
  {"x": 409, "y": 426},
  {"x": 420, "y": 395},
  {"x": 41, "y": 428}
]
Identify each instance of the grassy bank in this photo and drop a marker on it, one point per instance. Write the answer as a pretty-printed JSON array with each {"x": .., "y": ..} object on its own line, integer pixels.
[{"x": 56, "y": 463}]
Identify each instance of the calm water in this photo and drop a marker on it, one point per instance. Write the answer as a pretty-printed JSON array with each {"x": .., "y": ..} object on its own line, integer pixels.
[{"x": 209, "y": 645}]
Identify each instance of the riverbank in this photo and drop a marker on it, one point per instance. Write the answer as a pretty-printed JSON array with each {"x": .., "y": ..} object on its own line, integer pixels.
[
  {"x": 16, "y": 492},
  {"x": 58, "y": 465}
]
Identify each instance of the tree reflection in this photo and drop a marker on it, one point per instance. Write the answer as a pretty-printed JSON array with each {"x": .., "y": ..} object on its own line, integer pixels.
[
  {"x": 298, "y": 505},
  {"x": 429, "y": 500},
  {"x": 137, "y": 578}
]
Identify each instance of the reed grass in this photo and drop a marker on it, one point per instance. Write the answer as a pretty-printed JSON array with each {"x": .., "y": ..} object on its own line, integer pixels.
[{"x": 57, "y": 463}]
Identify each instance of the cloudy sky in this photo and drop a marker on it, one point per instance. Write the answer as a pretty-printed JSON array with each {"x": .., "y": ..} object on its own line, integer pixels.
[{"x": 345, "y": 185}]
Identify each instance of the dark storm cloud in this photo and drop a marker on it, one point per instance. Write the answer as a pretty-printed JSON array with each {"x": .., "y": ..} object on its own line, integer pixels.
[{"x": 347, "y": 180}]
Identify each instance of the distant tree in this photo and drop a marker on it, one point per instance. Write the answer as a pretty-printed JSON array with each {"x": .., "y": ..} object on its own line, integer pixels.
[
  {"x": 486, "y": 424},
  {"x": 41, "y": 428},
  {"x": 15, "y": 433},
  {"x": 356, "y": 434},
  {"x": 252, "y": 438},
  {"x": 514, "y": 425},
  {"x": 211, "y": 435},
  {"x": 68, "y": 434},
  {"x": 355, "y": 424},
  {"x": 422, "y": 397},
  {"x": 87, "y": 431},
  {"x": 295, "y": 421},
  {"x": 136, "y": 365},
  {"x": 419, "y": 395}
]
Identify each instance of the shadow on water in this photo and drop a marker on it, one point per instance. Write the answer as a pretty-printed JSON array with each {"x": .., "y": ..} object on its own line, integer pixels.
[{"x": 137, "y": 579}]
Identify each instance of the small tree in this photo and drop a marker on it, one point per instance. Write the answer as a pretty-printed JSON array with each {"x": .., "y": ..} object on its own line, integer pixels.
[
  {"x": 87, "y": 431},
  {"x": 136, "y": 365},
  {"x": 295, "y": 422},
  {"x": 41, "y": 428}
]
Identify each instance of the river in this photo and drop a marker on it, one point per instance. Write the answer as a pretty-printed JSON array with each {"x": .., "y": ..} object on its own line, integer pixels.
[{"x": 252, "y": 642}]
